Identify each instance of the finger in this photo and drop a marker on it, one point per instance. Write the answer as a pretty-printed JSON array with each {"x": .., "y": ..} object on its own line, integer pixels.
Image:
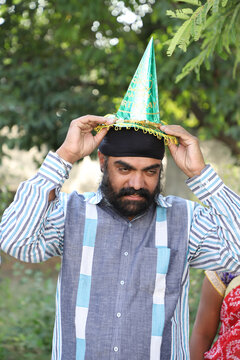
[
  {"x": 91, "y": 118},
  {"x": 89, "y": 122},
  {"x": 175, "y": 130},
  {"x": 172, "y": 148},
  {"x": 100, "y": 135},
  {"x": 95, "y": 120},
  {"x": 183, "y": 135},
  {"x": 110, "y": 120}
]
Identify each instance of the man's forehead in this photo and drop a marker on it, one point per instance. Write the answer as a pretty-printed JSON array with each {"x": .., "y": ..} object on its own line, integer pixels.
[{"x": 134, "y": 161}]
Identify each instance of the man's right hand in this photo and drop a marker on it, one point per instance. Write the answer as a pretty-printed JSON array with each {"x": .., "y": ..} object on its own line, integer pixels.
[{"x": 79, "y": 141}]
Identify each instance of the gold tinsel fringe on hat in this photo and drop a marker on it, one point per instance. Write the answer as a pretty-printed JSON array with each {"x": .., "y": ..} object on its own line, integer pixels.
[{"x": 152, "y": 128}]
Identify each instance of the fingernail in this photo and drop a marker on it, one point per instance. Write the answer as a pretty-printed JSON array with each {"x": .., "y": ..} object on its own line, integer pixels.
[
  {"x": 110, "y": 117},
  {"x": 111, "y": 120}
]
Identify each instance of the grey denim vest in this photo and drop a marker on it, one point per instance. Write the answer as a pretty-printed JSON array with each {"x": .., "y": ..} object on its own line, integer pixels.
[{"x": 177, "y": 229}]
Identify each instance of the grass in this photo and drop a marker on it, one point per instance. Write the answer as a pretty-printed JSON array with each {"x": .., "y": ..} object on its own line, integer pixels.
[{"x": 27, "y": 311}]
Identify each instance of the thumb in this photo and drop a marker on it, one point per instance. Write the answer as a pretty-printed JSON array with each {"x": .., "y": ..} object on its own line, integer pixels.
[{"x": 100, "y": 135}]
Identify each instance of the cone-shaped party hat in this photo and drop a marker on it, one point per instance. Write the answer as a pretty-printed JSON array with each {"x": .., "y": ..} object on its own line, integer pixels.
[{"x": 140, "y": 108}]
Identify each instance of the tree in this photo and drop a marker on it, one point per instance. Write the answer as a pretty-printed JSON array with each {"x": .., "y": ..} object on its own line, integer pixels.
[
  {"x": 65, "y": 59},
  {"x": 59, "y": 61},
  {"x": 216, "y": 24}
]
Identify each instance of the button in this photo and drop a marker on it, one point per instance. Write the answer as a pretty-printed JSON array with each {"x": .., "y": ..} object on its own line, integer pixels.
[
  {"x": 115, "y": 348},
  {"x": 122, "y": 282},
  {"x": 126, "y": 253},
  {"x": 130, "y": 225},
  {"x": 60, "y": 172},
  {"x": 119, "y": 315},
  {"x": 205, "y": 183}
]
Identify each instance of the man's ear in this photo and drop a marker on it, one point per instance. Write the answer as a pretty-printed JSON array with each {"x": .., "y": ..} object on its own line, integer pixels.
[{"x": 101, "y": 158}]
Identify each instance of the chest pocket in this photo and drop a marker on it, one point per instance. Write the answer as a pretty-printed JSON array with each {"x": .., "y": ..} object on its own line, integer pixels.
[{"x": 153, "y": 270}]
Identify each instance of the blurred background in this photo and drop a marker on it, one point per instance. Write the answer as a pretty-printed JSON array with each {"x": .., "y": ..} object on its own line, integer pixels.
[{"x": 63, "y": 59}]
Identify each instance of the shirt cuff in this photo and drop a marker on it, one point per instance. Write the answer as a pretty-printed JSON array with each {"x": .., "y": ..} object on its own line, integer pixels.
[
  {"x": 55, "y": 169},
  {"x": 206, "y": 184}
]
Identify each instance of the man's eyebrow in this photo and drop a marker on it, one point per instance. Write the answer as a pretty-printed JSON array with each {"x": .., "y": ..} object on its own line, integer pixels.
[
  {"x": 126, "y": 165},
  {"x": 151, "y": 167},
  {"x": 130, "y": 167}
]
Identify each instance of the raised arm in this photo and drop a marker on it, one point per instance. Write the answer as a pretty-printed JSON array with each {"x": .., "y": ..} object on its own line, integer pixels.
[
  {"x": 214, "y": 229},
  {"x": 206, "y": 322},
  {"x": 80, "y": 141},
  {"x": 32, "y": 228}
]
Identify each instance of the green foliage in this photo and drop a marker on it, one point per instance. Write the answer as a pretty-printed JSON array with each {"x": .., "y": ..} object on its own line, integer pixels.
[
  {"x": 64, "y": 60},
  {"x": 196, "y": 279},
  {"x": 216, "y": 24},
  {"x": 57, "y": 65},
  {"x": 6, "y": 196},
  {"x": 26, "y": 314}
]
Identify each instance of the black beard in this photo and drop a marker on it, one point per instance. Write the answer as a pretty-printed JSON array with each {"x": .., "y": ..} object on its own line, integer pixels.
[{"x": 127, "y": 208}]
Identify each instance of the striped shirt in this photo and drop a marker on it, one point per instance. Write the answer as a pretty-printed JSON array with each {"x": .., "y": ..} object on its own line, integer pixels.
[{"x": 145, "y": 272}]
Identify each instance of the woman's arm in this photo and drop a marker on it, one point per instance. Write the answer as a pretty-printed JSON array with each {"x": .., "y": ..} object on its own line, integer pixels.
[{"x": 206, "y": 322}]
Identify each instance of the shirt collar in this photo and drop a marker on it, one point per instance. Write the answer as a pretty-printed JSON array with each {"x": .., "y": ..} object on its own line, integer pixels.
[{"x": 95, "y": 198}]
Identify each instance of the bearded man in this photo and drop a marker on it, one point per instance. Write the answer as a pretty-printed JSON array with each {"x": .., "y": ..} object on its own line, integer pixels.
[{"x": 126, "y": 250}]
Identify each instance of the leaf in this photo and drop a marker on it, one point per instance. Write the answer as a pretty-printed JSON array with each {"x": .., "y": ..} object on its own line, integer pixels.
[
  {"x": 236, "y": 63},
  {"x": 215, "y": 7},
  {"x": 205, "y": 10},
  {"x": 224, "y": 3},
  {"x": 177, "y": 37},
  {"x": 207, "y": 63},
  {"x": 192, "y": 2},
  {"x": 182, "y": 14},
  {"x": 196, "y": 30},
  {"x": 193, "y": 64},
  {"x": 235, "y": 14},
  {"x": 171, "y": 13}
]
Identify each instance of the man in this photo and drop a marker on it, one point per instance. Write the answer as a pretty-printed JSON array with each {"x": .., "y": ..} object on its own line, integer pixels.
[{"x": 126, "y": 250}]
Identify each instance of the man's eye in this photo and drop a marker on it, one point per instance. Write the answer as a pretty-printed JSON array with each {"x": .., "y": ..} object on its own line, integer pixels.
[
  {"x": 123, "y": 169},
  {"x": 151, "y": 172}
]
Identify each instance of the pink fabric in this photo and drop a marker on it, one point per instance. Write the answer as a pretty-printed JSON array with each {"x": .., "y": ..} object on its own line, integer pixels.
[{"x": 227, "y": 346}]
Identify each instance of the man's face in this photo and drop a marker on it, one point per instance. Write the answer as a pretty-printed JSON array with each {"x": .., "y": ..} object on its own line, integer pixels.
[{"x": 130, "y": 183}]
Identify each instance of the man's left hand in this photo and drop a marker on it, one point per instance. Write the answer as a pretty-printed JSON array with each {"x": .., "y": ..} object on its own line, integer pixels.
[{"x": 187, "y": 154}]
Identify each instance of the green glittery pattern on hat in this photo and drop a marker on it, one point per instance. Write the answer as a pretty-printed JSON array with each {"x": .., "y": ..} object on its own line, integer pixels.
[
  {"x": 140, "y": 102},
  {"x": 139, "y": 108}
]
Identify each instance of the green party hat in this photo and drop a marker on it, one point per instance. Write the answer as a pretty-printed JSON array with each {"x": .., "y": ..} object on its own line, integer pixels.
[{"x": 139, "y": 108}]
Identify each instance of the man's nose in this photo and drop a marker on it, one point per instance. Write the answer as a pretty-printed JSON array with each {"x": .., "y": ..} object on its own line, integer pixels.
[{"x": 136, "y": 181}]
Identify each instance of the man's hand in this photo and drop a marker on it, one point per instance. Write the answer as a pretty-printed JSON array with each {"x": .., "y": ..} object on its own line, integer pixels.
[
  {"x": 187, "y": 154},
  {"x": 79, "y": 141}
]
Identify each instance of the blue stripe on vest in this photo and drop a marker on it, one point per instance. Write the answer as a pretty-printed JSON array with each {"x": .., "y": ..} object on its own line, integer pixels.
[
  {"x": 84, "y": 285},
  {"x": 84, "y": 288},
  {"x": 90, "y": 232},
  {"x": 161, "y": 214},
  {"x": 163, "y": 260},
  {"x": 158, "y": 313},
  {"x": 81, "y": 349},
  {"x": 163, "y": 257}
]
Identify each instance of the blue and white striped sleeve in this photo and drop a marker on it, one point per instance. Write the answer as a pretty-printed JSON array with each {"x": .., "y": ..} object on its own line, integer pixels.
[
  {"x": 214, "y": 238},
  {"x": 32, "y": 228}
]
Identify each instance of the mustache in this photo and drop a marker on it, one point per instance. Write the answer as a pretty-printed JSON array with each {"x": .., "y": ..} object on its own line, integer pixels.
[{"x": 131, "y": 191}]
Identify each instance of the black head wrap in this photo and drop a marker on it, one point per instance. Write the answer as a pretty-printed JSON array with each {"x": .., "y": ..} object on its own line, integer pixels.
[{"x": 134, "y": 143}]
